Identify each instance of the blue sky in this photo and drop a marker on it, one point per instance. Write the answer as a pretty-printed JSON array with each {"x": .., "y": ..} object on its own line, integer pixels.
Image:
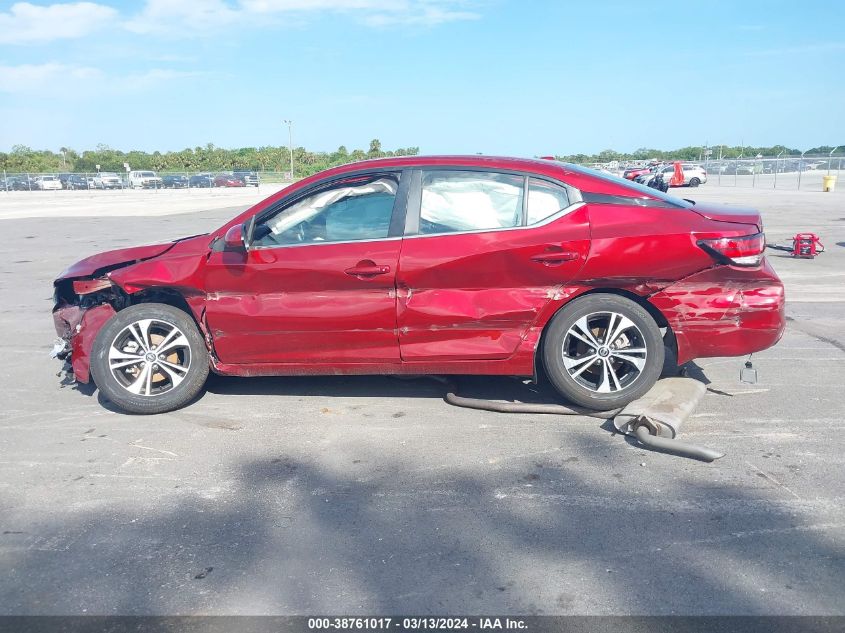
[{"x": 450, "y": 76}]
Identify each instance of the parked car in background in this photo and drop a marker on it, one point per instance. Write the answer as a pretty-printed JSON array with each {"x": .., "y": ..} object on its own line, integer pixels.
[
  {"x": 108, "y": 180},
  {"x": 174, "y": 181},
  {"x": 201, "y": 180},
  {"x": 631, "y": 174},
  {"x": 428, "y": 265},
  {"x": 63, "y": 178},
  {"x": 45, "y": 183},
  {"x": 144, "y": 180},
  {"x": 694, "y": 175},
  {"x": 78, "y": 181},
  {"x": 250, "y": 178},
  {"x": 20, "y": 183},
  {"x": 228, "y": 180},
  {"x": 644, "y": 177}
]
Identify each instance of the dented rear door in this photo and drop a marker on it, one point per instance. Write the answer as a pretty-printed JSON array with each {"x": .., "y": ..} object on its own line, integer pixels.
[{"x": 472, "y": 293}]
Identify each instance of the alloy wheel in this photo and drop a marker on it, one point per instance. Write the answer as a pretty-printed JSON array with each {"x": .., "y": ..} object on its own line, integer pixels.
[
  {"x": 604, "y": 352},
  {"x": 149, "y": 357}
]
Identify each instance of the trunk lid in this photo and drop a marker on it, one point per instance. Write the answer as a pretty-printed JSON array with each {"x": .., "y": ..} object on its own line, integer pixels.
[{"x": 725, "y": 213}]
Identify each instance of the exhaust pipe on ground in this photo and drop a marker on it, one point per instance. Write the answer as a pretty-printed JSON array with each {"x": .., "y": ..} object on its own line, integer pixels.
[{"x": 656, "y": 418}]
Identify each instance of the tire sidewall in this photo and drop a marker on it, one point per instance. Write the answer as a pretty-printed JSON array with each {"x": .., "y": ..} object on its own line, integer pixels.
[
  {"x": 178, "y": 397},
  {"x": 572, "y": 390}
]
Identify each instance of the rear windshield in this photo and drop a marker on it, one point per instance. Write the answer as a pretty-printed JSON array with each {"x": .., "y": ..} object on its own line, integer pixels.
[{"x": 635, "y": 187}]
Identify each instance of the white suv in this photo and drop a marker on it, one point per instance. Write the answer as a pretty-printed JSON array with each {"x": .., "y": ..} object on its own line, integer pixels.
[
  {"x": 144, "y": 180},
  {"x": 694, "y": 175},
  {"x": 107, "y": 180}
]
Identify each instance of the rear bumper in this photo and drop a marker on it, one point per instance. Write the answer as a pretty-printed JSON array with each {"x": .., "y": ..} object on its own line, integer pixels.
[{"x": 724, "y": 311}]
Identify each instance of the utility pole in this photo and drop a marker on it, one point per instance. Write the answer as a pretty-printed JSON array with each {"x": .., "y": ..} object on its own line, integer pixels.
[
  {"x": 777, "y": 168},
  {"x": 801, "y": 167},
  {"x": 290, "y": 144},
  {"x": 830, "y": 159}
]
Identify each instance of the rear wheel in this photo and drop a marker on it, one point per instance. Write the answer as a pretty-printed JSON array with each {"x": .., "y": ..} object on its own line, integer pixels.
[
  {"x": 694, "y": 182},
  {"x": 149, "y": 358},
  {"x": 603, "y": 351}
]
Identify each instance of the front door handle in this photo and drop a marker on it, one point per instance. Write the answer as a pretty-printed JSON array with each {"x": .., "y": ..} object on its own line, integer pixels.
[
  {"x": 554, "y": 258},
  {"x": 367, "y": 269}
]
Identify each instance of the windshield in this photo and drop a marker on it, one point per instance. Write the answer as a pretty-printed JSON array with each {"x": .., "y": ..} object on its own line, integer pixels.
[{"x": 654, "y": 193}]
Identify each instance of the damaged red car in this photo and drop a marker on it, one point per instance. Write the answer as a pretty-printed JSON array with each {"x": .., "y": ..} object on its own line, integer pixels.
[{"x": 429, "y": 265}]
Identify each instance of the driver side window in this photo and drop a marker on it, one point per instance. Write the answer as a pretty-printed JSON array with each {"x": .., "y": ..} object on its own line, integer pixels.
[{"x": 352, "y": 210}]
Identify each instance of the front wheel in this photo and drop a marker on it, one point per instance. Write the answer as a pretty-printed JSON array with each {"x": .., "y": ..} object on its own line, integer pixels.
[
  {"x": 149, "y": 358},
  {"x": 694, "y": 182},
  {"x": 603, "y": 351}
]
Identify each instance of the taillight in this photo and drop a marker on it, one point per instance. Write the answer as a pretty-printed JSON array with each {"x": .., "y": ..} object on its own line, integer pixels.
[{"x": 745, "y": 250}]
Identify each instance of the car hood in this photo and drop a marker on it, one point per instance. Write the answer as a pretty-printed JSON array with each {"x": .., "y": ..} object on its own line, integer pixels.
[{"x": 122, "y": 257}]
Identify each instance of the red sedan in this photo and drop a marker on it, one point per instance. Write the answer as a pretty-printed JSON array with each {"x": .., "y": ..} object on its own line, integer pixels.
[
  {"x": 227, "y": 180},
  {"x": 438, "y": 265}
]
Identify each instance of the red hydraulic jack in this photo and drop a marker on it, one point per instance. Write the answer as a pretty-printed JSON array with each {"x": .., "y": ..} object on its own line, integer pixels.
[{"x": 804, "y": 246}]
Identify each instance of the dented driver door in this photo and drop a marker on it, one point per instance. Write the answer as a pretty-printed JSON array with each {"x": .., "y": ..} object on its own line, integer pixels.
[{"x": 317, "y": 284}]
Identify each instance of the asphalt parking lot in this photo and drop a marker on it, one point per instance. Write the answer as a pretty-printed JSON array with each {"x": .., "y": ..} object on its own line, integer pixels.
[{"x": 371, "y": 495}]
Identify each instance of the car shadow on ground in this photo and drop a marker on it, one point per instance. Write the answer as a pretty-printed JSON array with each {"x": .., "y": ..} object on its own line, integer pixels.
[
  {"x": 499, "y": 387},
  {"x": 531, "y": 536}
]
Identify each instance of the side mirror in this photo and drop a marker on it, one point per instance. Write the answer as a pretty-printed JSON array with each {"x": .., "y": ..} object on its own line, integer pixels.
[{"x": 234, "y": 239}]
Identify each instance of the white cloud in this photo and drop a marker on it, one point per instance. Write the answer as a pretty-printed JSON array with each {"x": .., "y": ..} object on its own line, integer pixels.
[
  {"x": 171, "y": 17},
  {"x": 429, "y": 14},
  {"x": 27, "y": 23},
  {"x": 373, "y": 12},
  {"x": 206, "y": 16},
  {"x": 36, "y": 77},
  {"x": 281, "y": 6},
  {"x": 66, "y": 81},
  {"x": 800, "y": 49}
]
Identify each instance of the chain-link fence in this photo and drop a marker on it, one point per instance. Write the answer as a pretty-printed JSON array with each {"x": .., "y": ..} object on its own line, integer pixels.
[
  {"x": 808, "y": 172},
  {"x": 774, "y": 172},
  {"x": 141, "y": 179},
  {"x": 777, "y": 172}
]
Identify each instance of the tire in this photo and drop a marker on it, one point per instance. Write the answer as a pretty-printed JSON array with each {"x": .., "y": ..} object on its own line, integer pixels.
[
  {"x": 694, "y": 182},
  {"x": 609, "y": 376},
  {"x": 150, "y": 384}
]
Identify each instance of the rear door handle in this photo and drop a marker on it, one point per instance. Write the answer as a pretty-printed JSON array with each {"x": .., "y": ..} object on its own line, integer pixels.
[
  {"x": 368, "y": 269},
  {"x": 553, "y": 258}
]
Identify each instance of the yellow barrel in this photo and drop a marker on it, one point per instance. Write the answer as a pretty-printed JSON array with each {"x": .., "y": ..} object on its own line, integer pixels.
[{"x": 828, "y": 183}]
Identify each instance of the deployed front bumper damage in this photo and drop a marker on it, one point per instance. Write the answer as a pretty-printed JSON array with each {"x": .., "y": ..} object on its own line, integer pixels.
[{"x": 77, "y": 327}]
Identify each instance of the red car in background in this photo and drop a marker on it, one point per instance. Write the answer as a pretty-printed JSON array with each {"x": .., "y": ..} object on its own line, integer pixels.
[
  {"x": 227, "y": 180},
  {"x": 428, "y": 265},
  {"x": 631, "y": 174}
]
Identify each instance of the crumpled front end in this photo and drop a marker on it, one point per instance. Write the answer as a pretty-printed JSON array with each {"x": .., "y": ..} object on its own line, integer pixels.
[
  {"x": 81, "y": 309},
  {"x": 91, "y": 291}
]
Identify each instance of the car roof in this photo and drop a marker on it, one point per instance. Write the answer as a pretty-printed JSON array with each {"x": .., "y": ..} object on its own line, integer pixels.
[
  {"x": 574, "y": 175},
  {"x": 466, "y": 160}
]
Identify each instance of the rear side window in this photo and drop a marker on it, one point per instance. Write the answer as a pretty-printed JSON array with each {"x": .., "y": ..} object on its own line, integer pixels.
[
  {"x": 454, "y": 201},
  {"x": 544, "y": 200}
]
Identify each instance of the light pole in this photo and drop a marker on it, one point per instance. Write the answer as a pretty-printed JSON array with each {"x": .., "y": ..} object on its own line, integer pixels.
[
  {"x": 290, "y": 144},
  {"x": 777, "y": 167},
  {"x": 830, "y": 159},
  {"x": 801, "y": 168}
]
